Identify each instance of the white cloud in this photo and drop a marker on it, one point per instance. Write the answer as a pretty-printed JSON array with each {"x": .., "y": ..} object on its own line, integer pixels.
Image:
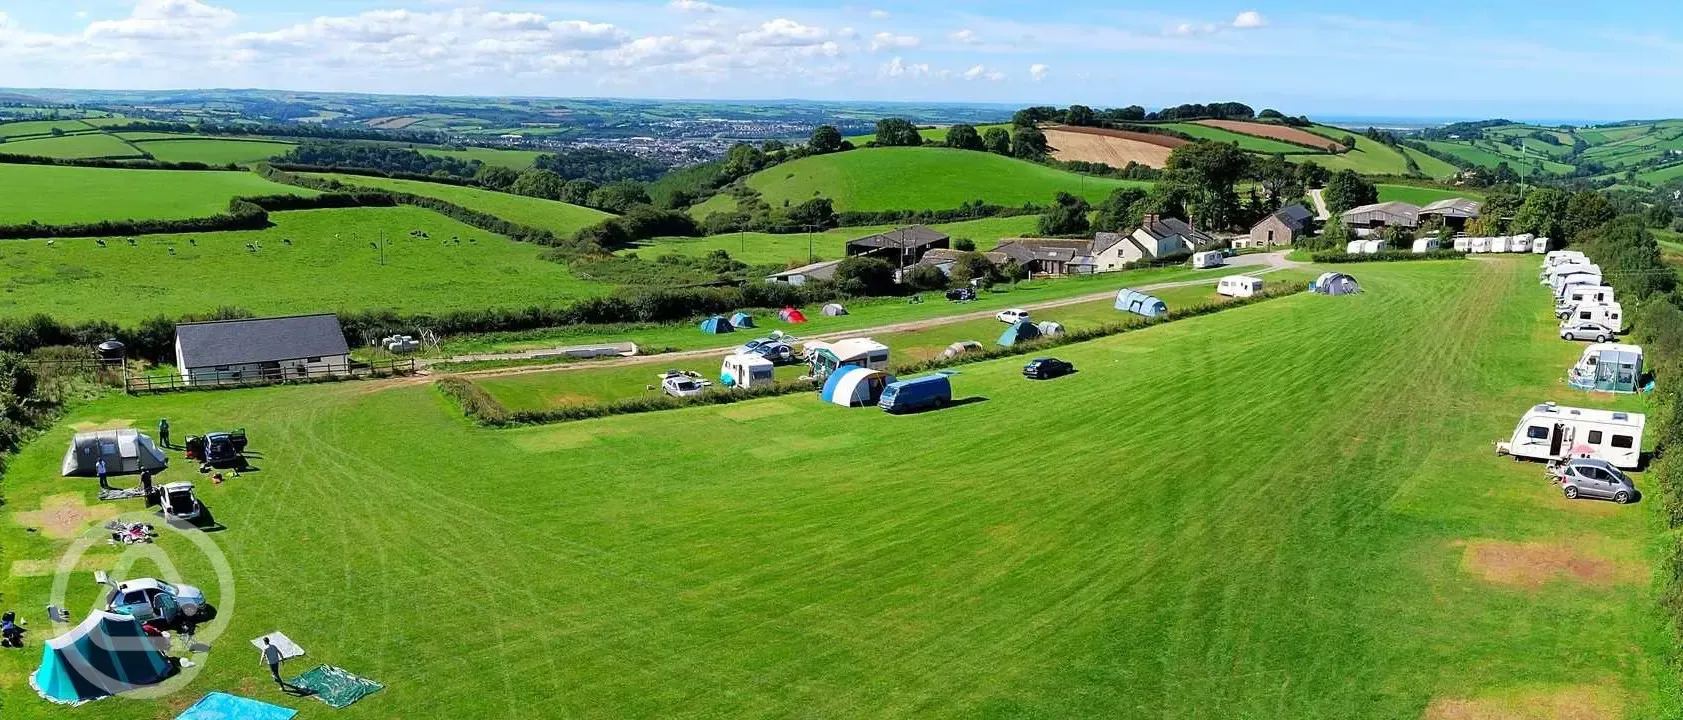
[
  {"x": 1250, "y": 19},
  {"x": 898, "y": 68},
  {"x": 964, "y": 37},
  {"x": 975, "y": 72},
  {"x": 879, "y": 15},
  {"x": 890, "y": 41},
  {"x": 163, "y": 20},
  {"x": 693, "y": 6},
  {"x": 1038, "y": 71},
  {"x": 996, "y": 76},
  {"x": 1194, "y": 29},
  {"x": 783, "y": 32}
]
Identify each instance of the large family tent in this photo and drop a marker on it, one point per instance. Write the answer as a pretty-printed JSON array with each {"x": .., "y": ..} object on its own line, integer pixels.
[
  {"x": 1021, "y": 331},
  {"x": 124, "y": 451},
  {"x": 959, "y": 348},
  {"x": 1140, "y": 303},
  {"x": 716, "y": 325},
  {"x": 222, "y": 706},
  {"x": 791, "y": 315},
  {"x": 1050, "y": 329},
  {"x": 1335, "y": 283},
  {"x": 742, "y": 320},
  {"x": 855, "y": 387},
  {"x": 105, "y": 655},
  {"x": 834, "y": 310}
]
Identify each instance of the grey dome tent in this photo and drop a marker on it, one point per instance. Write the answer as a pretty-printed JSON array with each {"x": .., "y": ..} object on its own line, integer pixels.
[
  {"x": 1335, "y": 283},
  {"x": 834, "y": 310},
  {"x": 1140, "y": 303},
  {"x": 959, "y": 348},
  {"x": 1050, "y": 329},
  {"x": 742, "y": 320},
  {"x": 124, "y": 452},
  {"x": 1022, "y": 331}
]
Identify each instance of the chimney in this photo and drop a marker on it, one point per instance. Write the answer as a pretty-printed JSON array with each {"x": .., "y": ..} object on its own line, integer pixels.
[{"x": 1150, "y": 219}]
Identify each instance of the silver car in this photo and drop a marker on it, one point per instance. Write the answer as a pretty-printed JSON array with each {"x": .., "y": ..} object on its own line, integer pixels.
[
  {"x": 1587, "y": 331},
  {"x": 1590, "y": 478}
]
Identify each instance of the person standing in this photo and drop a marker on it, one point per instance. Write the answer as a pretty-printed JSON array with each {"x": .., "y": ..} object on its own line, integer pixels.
[
  {"x": 99, "y": 469},
  {"x": 272, "y": 658},
  {"x": 163, "y": 432}
]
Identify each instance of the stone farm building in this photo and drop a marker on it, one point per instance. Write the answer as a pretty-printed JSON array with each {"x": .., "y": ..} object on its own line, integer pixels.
[
  {"x": 900, "y": 247},
  {"x": 277, "y": 348},
  {"x": 1283, "y": 227}
]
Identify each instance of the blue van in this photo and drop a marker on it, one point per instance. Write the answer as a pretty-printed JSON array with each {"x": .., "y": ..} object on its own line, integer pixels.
[{"x": 929, "y": 391}]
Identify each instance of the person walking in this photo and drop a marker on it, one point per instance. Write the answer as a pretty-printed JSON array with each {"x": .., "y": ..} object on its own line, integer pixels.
[
  {"x": 272, "y": 658},
  {"x": 163, "y": 432},
  {"x": 99, "y": 469}
]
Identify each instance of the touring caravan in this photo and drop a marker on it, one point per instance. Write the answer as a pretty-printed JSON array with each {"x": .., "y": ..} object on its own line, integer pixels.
[
  {"x": 1239, "y": 286},
  {"x": 1552, "y": 432},
  {"x": 1561, "y": 283},
  {"x": 825, "y": 358},
  {"x": 1426, "y": 245},
  {"x": 1499, "y": 244},
  {"x": 1354, "y": 247},
  {"x": 1572, "y": 267},
  {"x": 1519, "y": 244},
  {"x": 1463, "y": 244},
  {"x": 1208, "y": 259},
  {"x": 1609, "y": 314},
  {"x": 1481, "y": 245},
  {"x": 1608, "y": 367},
  {"x": 1576, "y": 295},
  {"x": 1540, "y": 245},
  {"x": 747, "y": 371},
  {"x": 1373, "y": 247}
]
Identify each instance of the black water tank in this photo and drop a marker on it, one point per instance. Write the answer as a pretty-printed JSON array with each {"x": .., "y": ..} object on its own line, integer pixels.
[{"x": 111, "y": 350}]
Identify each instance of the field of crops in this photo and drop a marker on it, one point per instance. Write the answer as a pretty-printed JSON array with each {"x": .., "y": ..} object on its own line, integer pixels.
[
  {"x": 1251, "y": 143},
  {"x": 213, "y": 151},
  {"x": 331, "y": 263},
  {"x": 86, "y": 145},
  {"x": 557, "y": 217},
  {"x": 60, "y": 195},
  {"x": 1284, "y": 133},
  {"x": 1169, "y": 533},
  {"x": 1116, "y": 148},
  {"x": 921, "y": 179},
  {"x": 767, "y": 248}
]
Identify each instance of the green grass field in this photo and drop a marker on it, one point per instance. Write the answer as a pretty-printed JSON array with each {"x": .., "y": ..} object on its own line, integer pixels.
[
  {"x": 1183, "y": 529},
  {"x": 214, "y": 151},
  {"x": 58, "y": 195},
  {"x": 558, "y": 217},
  {"x": 1422, "y": 195},
  {"x": 767, "y": 248},
  {"x": 932, "y": 134},
  {"x": 1369, "y": 156},
  {"x": 921, "y": 179},
  {"x": 88, "y": 145},
  {"x": 40, "y": 127},
  {"x": 1431, "y": 166},
  {"x": 511, "y": 159},
  {"x": 330, "y": 265},
  {"x": 1246, "y": 142}
]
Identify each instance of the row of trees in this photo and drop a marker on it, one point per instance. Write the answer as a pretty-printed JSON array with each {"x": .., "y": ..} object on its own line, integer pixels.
[{"x": 1089, "y": 117}]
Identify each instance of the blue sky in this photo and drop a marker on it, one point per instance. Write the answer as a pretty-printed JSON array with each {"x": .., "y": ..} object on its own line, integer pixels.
[{"x": 1428, "y": 58}]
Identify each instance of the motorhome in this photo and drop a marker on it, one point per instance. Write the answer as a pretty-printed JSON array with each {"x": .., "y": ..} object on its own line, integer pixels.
[
  {"x": 1560, "y": 284},
  {"x": 825, "y": 358},
  {"x": 1239, "y": 286},
  {"x": 1579, "y": 294},
  {"x": 1551, "y": 432},
  {"x": 1609, "y": 314}
]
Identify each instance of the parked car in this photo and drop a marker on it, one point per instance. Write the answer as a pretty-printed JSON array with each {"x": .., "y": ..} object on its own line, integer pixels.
[
  {"x": 779, "y": 352},
  {"x": 1591, "y": 478},
  {"x": 963, "y": 294},
  {"x": 681, "y": 384},
  {"x": 149, "y": 598},
  {"x": 1046, "y": 369},
  {"x": 1587, "y": 331},
  {"x": 1012, "y": 316}
]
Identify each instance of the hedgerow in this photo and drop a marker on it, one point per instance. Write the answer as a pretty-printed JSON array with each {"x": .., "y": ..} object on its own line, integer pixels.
[{"x": 1386, "y": 256}]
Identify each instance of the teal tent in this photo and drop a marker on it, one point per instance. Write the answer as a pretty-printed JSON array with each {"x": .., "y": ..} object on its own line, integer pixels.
[
  {"x": 222, "y": 706},
  {"x": 1022, "y": 331},
  {"x": 105, "y": 655},
  {"x": 716, "y": 325},
  {"x": 742, "y": 320}
]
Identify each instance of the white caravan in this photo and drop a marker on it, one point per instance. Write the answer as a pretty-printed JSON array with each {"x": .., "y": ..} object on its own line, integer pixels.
[
  {"x": 1540, "y": 246},
  {"x": 1555, "y": 270},
  {"x": 1373, "y": 247},
  {"x": 1579, "y": 294},
  {"x": 1561, "y": 283},
  {"x": 747, "y": 371},
  {"x": 1481, "y": 245},
  {"x": 1609, "y": 314},
  {"x": 1499, "y": 244},
  {"x": 1239, "y": 286},
  {"x": 1207, "y": 260},
  {"x": 1426, "y": 245},
  {"x": 1463, "y": 244},
  {"x": 1354, "y": 247},
  {"x": 1552, "y": 432},
  {"x": 1520, "y": 244}
]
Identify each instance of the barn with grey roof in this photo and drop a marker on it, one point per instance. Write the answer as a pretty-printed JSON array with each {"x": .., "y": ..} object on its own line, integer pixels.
[{"x": 276, "y": 348}]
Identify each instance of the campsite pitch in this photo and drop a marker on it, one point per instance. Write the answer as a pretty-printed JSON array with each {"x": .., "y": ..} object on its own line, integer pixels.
[{"x": 1251, "y": 514}]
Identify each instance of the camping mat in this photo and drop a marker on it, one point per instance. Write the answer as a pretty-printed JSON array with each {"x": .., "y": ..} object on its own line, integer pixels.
[
  {"x": 288, "y": 648},
  {"x": 121, "y": 494},
  {"x": 334, "y": 686},
  {"x": 222, "y": 706}
]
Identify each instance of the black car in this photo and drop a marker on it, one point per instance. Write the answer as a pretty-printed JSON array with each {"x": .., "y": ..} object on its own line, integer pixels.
[
  {"x": 961, "y": 294},
  {"x": 1046, "y": 369}
]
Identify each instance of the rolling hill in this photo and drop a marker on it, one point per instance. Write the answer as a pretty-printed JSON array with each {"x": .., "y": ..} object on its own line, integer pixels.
[
  {"x": 557, "y": 217},
  {"x": 59, "y": 195}
]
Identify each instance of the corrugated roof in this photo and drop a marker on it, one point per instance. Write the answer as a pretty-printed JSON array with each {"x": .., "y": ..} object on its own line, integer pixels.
[
  {"x": 1294, "y": 216},
  {"x": 260, "y": 340},
  {"x": 1453, "y": 207},
  {"x": 816, "y": 269},
  {"x": 902, "y": 238}
]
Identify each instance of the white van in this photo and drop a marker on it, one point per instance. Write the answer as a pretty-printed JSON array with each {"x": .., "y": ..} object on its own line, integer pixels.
[
  {"x": 1552, "y": 432},
  {"x": 1239, "y": 286},
  {"x": 1609, "y": 314}
]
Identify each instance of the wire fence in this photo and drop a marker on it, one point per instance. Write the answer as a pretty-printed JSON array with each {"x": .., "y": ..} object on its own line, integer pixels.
[{"x": 269, "y": 376}]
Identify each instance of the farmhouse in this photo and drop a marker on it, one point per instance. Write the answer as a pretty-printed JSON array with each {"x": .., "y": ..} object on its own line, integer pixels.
[
  {"x": 1283, "y": 227},
  {"x": 1382, "y": 215},
  {"x": 798, "y": 276},
  {"x": 270, "y": 348},
  {"x": 1455, "y": 212},
  {"x": 1158, "y": 236},
  {"x": 903, "y": 246}
]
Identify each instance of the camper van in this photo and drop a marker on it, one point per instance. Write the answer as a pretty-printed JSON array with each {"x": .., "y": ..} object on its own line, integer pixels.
[
  {"x": 1551, "y": 432},
  {"x": 1580, "y": 294},
  {"x": 1239, "y": 286},
  {"x": 825, "y": 358},
  {"x": 1609, "y": 314},
  {"x": 1209, "y": 259},
  {"x": 920, "y": 393},
  {"x": 747, "y": 371}
]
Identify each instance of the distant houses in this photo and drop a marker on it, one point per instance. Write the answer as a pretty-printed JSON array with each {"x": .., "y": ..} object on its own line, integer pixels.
[{"x": 1156, "y": 237}]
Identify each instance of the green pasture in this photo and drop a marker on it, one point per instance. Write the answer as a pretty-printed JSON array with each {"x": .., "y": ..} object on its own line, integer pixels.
[
  {"x": 1288, "y": 510},
  {"x": 1251, "y": 143},
  {"x": 512, "y": 159},
  {"x": 1368, "y": 157},
  {"x": 558, "y": 217},
  {"x": 768, "y": 248},
  {"x": 57, "y": 195},
  {"x": 922, "y": 179},
  {"x": 40, "y": 127},
  {"x": 930, "y": 134},
  {"x": 213, "y": 151},
  {"x": 86, "y": 145},
  {"x": 1431, "y": 166},
  {"x": 331, "y": 264},
  {"x": 1422, "y": 195}
]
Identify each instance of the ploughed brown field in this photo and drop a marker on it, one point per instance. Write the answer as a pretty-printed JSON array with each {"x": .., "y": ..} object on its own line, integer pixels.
[
  {"x": 1274, "y": 132},
  {"x": 1115, "y": 148}
]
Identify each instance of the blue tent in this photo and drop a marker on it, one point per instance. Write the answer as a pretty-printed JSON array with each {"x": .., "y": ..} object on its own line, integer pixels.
[
  {"x": 222, "y": 706},
  {"x": 855, "y": 387},
  {"x": 716, "y": 325},
  {"x": 105, "y": 655},
  {"x": 1022, "y": 331},
  {"x": 1335, "y": 283},
  {"x": 1140, "y": 303},
  {"x": 742, "y": 320}
]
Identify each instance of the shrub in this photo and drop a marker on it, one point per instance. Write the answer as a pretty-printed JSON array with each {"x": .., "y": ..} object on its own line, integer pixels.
[
  {"x": 1332, "y": 257},
  {"x": 474, "y": 401}
]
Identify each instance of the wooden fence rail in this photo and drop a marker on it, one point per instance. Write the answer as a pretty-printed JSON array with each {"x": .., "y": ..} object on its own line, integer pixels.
[{"x": 174, "y": 381}]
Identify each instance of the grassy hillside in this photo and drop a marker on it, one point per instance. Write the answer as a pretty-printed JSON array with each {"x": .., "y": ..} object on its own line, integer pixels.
[
  {"x": 1367, "y": 559},
  {"x": 59, "y": 195},
  {"x": 766, "y": 248},
  {"x": 1246, "y": 142},
  {"x": 921, "y": 179},
  {"x": 557, "y": 217},
  {"x": 1369, "y": 156},
  {"x": 511, "y": 159},
  {"x": 932, "y": 134},
  {"x": 1422, "y": 195},
  {"x": 213, "y": 151},
  {"x": 1431, "y": 166},
  {"x": 40, "y": 127},
  {"x": 329, "y": 265},
  {"x": 87, "y": 145}
]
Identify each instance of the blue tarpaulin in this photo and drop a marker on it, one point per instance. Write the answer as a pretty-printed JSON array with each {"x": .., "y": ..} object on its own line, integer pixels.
[{"x": 222, "y": 706}]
